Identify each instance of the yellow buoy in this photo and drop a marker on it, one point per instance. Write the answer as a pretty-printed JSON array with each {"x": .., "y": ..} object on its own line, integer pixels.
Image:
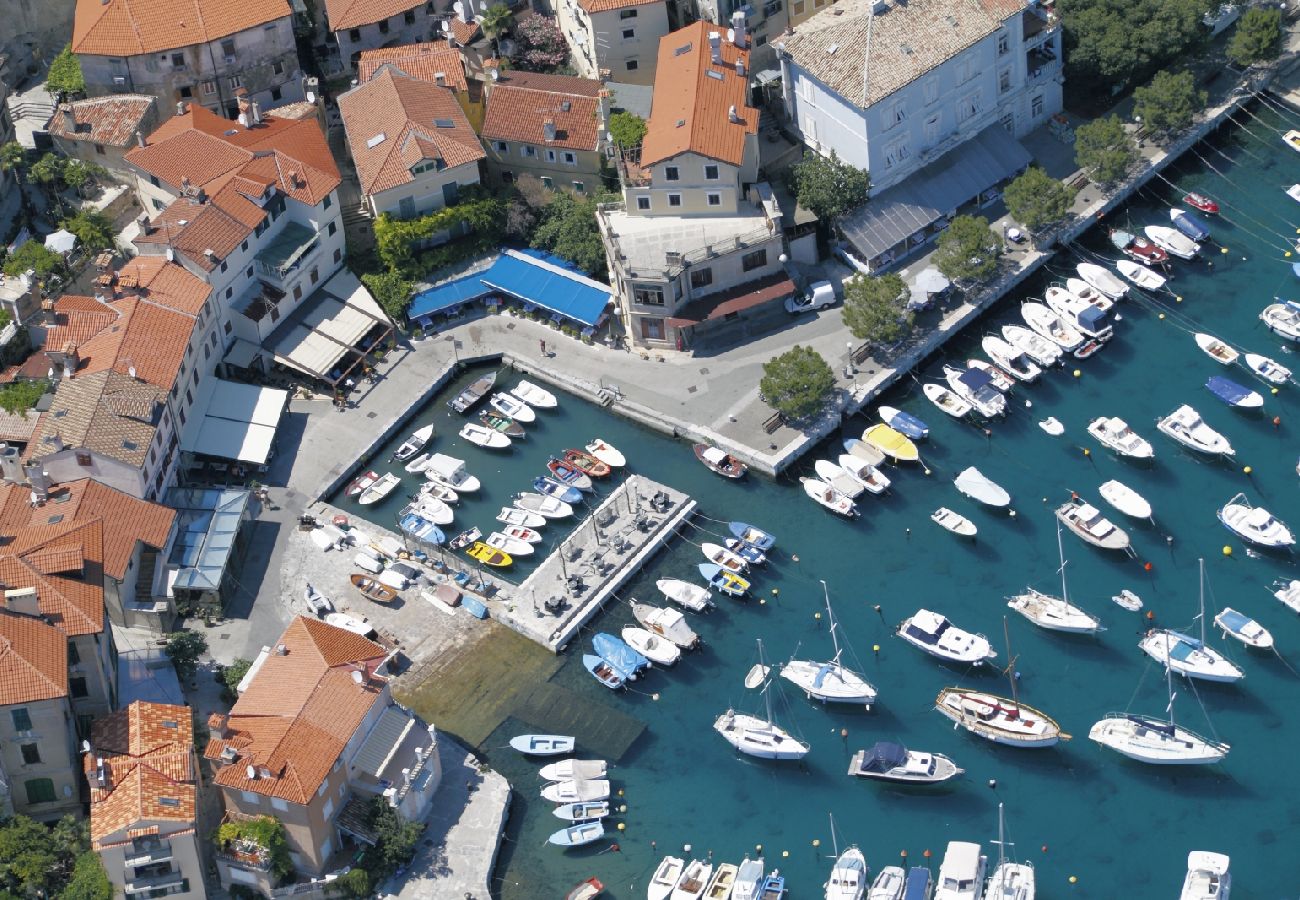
[
  {"x": 1074, "y": 879},
  {"x": 1247, "y": 470},
  {"x": 1223, "y": 249},
  {"x": 758, "y": 848},
  {"x": 875, "y": 648},
  {"x": 621, "y": 826},
  {"x": 620, "y": 792},
  {"x": 1178, "y": 297},
  {"x": 622, "y": 807},
  {"x": 1227, "y": 551},
  {"x": 1087, "y": 452},
  {"x": 817, "y": 615},
  {"x": 1161, "y": 316},
  {"x": 817, "y": 842},
  {"x": 1274, "y": 391}
]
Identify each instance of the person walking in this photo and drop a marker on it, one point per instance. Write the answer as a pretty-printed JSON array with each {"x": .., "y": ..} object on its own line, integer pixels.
[{"x": 543, "y": 343}]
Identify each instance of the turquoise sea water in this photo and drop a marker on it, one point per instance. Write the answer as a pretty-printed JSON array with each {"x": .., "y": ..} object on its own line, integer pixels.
[{"x": 1122, "y": 828}]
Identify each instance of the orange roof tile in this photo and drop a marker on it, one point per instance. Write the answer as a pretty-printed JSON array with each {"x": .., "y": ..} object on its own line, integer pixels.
[
  {"x": 599, "y": 6},
  {"x": 355, "y": 13},
  {"x": 33, "y": 660},
  {"x": 544, "y": 81},
  {"x": 111, "y": 120},
  {"x": 423, "y": 61},
  {"x": 166, "y": 283},
  {"x": 72, "y": 602},
  {"x": 131, "y": 27},
  {"x": 133, "y": 336},
  {"x": 148, "y": 768},
  {"x": 689, "y": 111},
  {"x": 104, "y": 412},
  {"x": 463, "y": 32},
  {"x": 520, "y": 114}
]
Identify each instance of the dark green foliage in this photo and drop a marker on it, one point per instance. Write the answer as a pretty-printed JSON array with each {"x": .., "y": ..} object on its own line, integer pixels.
[
  {"x": 968, "y": 249},
  {"x": 568, "y": 228},
  {"x": 1258, "y": 37},
  {"x": 1169, "y": 102},
  {"x": 1111, "y": 44},
  {"x": 1104, "y": 150},
  {"x": 1036, "y": 199},
  {"x": 184, "y": 649},
  {"x": 627, "y": 129},
  {"x": 875, "y": 308},
  {"x": 797, "y": 382},
  {"x": 828, "y": 187},
  {"x": 89, "y": 881},
  {"x": 93, "y": 229},
  {"x": 65, "y": 76},
  {"x": 264, "y": 832},
  {"x": 395, "y": 841},
  {"x": 34, "y": 255},
  {"x": 355, "y": 884},
  {"x": 39, "y": 860},
  {"x": 17, "y": 397},
  {"x": 391, "y": 290},
  {"x": 234, "y": 673}
]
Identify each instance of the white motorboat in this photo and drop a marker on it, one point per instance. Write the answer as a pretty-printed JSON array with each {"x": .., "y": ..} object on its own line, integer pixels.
[
  {"x": 977, "y": 389},
  {"x": 1216, "y": 349},
  {"x": 760, "y": 736},
  {"x": 523, "y": 533},
  {"x": 576, "y": 790},
  {"x": 607, "y": 453},
  {"x": 666, "y": 623},
  {"x": 727, "y": 559},
  {"x": 1207, "y": 877},
  {"x": 439, "y": 492},
  {"x": 827, "y": 496},
  {"x": 543, "y": 744},
  {"x": 1190, "y": 656},
  {"x": 1055, "y": 613},
  {"x": 1115, "y": 433},
  {"x": 414, "y": 444},
  {"x": 829, "y": 682},
  {"x": 1084, "y": 291},
  {"x": 665, "y": 878},
  {"x": 1186, "y": 426},
  {"x": 1140, "y": 275},
  {"x": 999, "y": 379},
  {"x": 574, "y": 770},
  {"x": 1052, "y": 426},
  {"x": 691, "y": 883},
  {"x": 954, "y": 522},
  {"x": 976, "y": 485},
  {"x": 1287, "y": 593},
  {"x": 749, "y": 879},
  {"x": 521, "y": 518},
  {"x": 683, "y": 593},
  {"x": 488, "y": 438},
  {"x": 1078, "y": 313},
  {"x": 1172, "y": 241},
  {"x": 1255, "y": 524},
  {"x": 1283, "y": 319},
  {"x": 1091, "y": 526},
  {"x": 837, "y": 478},
  {"x": 1238, "y": 625},
  {"x": 867, "y": 475},
  {"x": 722, "y": 882},
  {"x": 866, "y": 452},
  {"x": 512, "y": 407},
  {"x": 1035, "y": 346},
  {"x": 1101, "y": 278},
  {"x": 512, "y": 545},
  {"x": 1267, "y": 369},
  {"x": 1012, "y": 361},
  {"x": 660, "y": 651},
  {"x": 417, "y": 464},
  {"x": 848, "y": 879},
  {"x": 430, "y": 508},
  {"x": 1051, "y": 326},
  {"x": 547, "y": 507},
  {"x": 449, "y": 472},
  {"x": 1010, "y": 880},
  {"x": 961, "y": 874},
  {"x": 534, "y": 396},
  {"x": 932, "y": 633},
  {"x": 888, "y": 884},
  {"x": 1125, "y": 499},
  {"x": 891, "y": 761},
  {"x": 386, "y": 484},
  {"x": 946, "y": 400}
]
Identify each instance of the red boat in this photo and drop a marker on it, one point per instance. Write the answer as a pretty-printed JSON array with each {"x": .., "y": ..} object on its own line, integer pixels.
[
  {"x": 586, "y": 890},
  {"x": 586, "y": 463},
  {"x": 1201, "y": 202},
  {"x": 362, "y": 482},
  {"x": 1139, "y": 248}
]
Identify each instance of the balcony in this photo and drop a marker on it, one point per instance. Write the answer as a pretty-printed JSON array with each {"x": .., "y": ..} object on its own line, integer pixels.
[
  {"x": 1041, "y": 65},
  {"x": 150, "y": 883},
  {"x": 1039, "y": 27},
  {"x": 151, "y": 854},
  {"x": 288, "y": 254}
]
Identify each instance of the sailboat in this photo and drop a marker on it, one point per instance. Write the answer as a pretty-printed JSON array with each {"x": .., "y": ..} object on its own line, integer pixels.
[
  {"x": 756, "y": 736},
  {"x": 1010, "y": 880},
  {"x": 1189, "y": 656},
  {"x": 1156, "y": 741},
  {"x": 829, "y": 682},
  {"x": 1055, "y": 613},
  {"x": 848, "y": 879}
]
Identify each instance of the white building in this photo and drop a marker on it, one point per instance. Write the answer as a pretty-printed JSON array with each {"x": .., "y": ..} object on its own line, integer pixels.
[{"x": 614, "y": 39}]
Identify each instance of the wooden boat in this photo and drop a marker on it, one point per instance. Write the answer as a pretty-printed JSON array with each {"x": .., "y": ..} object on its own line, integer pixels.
[
  {"x": 587, "y": 464},
  {"x": 666, "y": 623},
  {"x": 414, "y": 444},
  {"x": 548, "y": 487},
  {"x": 439, "y": 492},
  {"x": 542, "y": 744},
  {"x": 586, "y": 890},
  {"x": 694, "y": 878},
  {"x": 665, "y": 878},
  {"x": 891, "y": 443},
  {"x": 602, "y": 671},
  {"x": 582, "y": 810},
  {"x": 606, "y": 453},
  {"x": 660, "y": 651},
  {"x": 519, "y": 532},
  {"x": 535, "y": 396},
  {"x": 470, "y": 396},
  {"x": 361, "y": 482},
  {"x": 1271, "y": 371},
  {"x": 730, "y": 561},
  {"x": 752, "y": 535},
  {"x": 371, "y": 589},
  {"x": 465, "y": 538},
  {"x": 720, "y": 463},
  {"x": 576, "y": 790},
  {"x": 504, "y": 424},
  {"x": 748, "y": 552},
  {"x": 509, "y": 545},
  {"x": 827, "y": 496},
  {"x": 512, "y": 515},
  {"x": 564, "y": 473},
  {"x": 723, "y": 880},
  {"x": 867, "y": 475},
  {"x": 512, "y": 406},
  {"x": 684, "y": 594},
  {"x": 1216, "y": 349},
  {"x": 484, "y": 437},
  {"x": 386, "y": 484},
  {"x": 722, "y": 580},
  {"x": 999, "y": 719},
  {"x": 954, "y": 522},
  {"x": 946, "y": 400},
  {"x": 1140, "y": 275},
  {"x": 891, "y": 761},
  {"x": 489, "y": 556},
  {"x": 1243, "y": 628},
  {"x": 578, "y": 835},
  {"x": 1201, "y": 202},
  {"x": 1091, "y": 526},
  {"x": 548, "y": 507}
]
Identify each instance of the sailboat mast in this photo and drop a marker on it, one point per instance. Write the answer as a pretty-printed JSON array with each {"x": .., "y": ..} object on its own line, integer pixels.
[
  {"x": 1060, "y": 554},
  {"x": 830, "y": 617},
  {"x": 767, "y": 697},
  {"x": 1002, "y": 846},
  {"x": 1011, "y": 662},
  {"x": 1201, "y": 563},
  {"x": 1169, "y": 681},
  {"x": 835, "y": 845}
]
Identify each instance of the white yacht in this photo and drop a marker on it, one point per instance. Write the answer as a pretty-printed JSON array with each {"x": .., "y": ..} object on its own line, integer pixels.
[
  {"x": 1190, "y": 656},
  {"x": 829, "y": 682},
  {"x": 1089, "y": 318},
  {"x": 1283, "y": 319},
  {"x": 1034, "y": 345},
  {"x": 1115, "y": 433},
  {"x": 755, "y": 735},
  {"x": 1186, "y": 426},
  {"x": 1101, "y": 278},
  {"x": 976, "y": 388},
  {"x": 1009, "y": 359},
  {"x": 1051, "y": 326},
  {"x": 1055, "y": 613},
  {"x": 935, "y": 635},
  {"x": 1207, "y": 878},
  {"x": 1255, "y": 524},
  {"x": 1087, "y": 522},
  {"x": 1172, "y": 241},
  {"x": 961, "y": 874},
  {"x": 848, "y": 879},
  {"x": 1010, "y": 880}
]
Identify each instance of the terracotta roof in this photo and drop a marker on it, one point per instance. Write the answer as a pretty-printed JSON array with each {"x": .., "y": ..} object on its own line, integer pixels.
[
  {"x": 148, "y": 768},
  {"x": 742, "y": 297},
  {"x": 392, "y": 124},
  {"x": 111, "y": 120},
  {"x": 423, "y": 61},
  {"x": 865, "y": 58},
  {"x": 520, "y": 114},
  {"x": 689, "y": 112},
  {"x": 133, "y": 335},
  {"x": 343, "y": 14},
  {"x": 164, "y": 283},
  {"x": 542, "y": 81},
  {"x": 33, "y": 660},
  {"x": 105, "y": 412},
  {"x": 18, "y": 427},
  {"x": 299, "y": 712},
  {"x": 131, "y": 27},
  {"x": 463, "y": 32},
  {"x": 599, "y": 6},
  {"x": 70, "y": 599}
]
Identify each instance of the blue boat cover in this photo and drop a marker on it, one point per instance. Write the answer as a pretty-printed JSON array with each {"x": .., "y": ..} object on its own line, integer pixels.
[
  {"x": 1092, "y": 318},
  {"x": 1192, "y": 225},
  {"x": 918, "y": 884},
  {"x": 1183, "y": 646},
  {"x": 1233, "y": 620},
  {"x": 885, "y": 755},
  {"x": 1152, "y": 724},
  {"x": 710, "y": 571},
  {"x": 748, "y": 533},
  {"x": 1227, "y": 390},
  {"x": 565, "y": 492},
  {"x": 1295, "y": 269},
  {"x": 975, "y": 379},
  {"x": 909, "y": 424},
  {"x": 621, "y": 658}
]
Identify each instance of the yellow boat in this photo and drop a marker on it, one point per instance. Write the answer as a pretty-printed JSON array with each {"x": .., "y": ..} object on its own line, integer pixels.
[
  {"x": 891, "y": 443},
  {"x": 489, "y": 556}
]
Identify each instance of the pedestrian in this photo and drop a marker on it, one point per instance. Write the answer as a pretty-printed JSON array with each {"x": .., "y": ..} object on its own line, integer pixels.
[{"x": 543, "y": 343}]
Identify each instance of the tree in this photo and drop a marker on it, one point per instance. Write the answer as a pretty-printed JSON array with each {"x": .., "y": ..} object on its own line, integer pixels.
[
  {"x": 875, "y": 308},
  {"x": 34, "y": 255},
  {"x": 353, "y": 884},
  {"x": 89, "y": 881},
  {"x": 569, "y": 229},
  {"x": 1036, "y": 199},
  {"x": 1258, "y": 37},
  {"x": 1169, "y": 102},
  {"x": 968, "y": 249},
  {"x": 18, "y": 396},
  {"x": 541, "y": 44},
  {"x": 796, "y": 383},
  {"x": 1104, "y": 150},
  {"x": 93, "y": 229},
  {"x": 65, "y": 78},
  {"x": 234, "y": 673},
  {"x": 184, "y": 648},
  {"x": 828, "y": 187},
  {"x": 495, "y": 22},
  {"x": 40, "y": 860},
  {"x": 627, "y": 129},
  {"x": 13, "y": 158},
  {"x": 391, "y": 291},
  {"x": 395, "y": 840}
]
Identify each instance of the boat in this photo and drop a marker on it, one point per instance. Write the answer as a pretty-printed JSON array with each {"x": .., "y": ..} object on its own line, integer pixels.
[
  {"x": 1009, "y": 359},
  {"x": 582, "y": 811},
  {"x": 606, "y": 453},
  {"x": 569, "y": 475},
  {"x": 1270, "y": 370},
  {"x": 1125, "y": 499},
  {"x": 372, "y": 589},
  {"x": 413, "y": 444},
  {"x": 585, "y": 890},
  {"x": 1255, "y": 524},
  {"x": 773, "y": 887},
  {"x": 838, "y": 478},
  {"x": 752, "y": 535},
  {"x": 1138, "y": 247},
  {"x": 1189, "y": 224},
  {"x": 1172, "y": 241},
  {"x": 574, "y": 769},
  {"x": 1114, "y": 433},
  {"x": 522, "y": 533},
  {"x": 484, "y": 437},
  {"x": 1010, "y": 880},
  {"x": 1208, "y": 877},
  {"x": 577, "y": 790},
  {"x": 350, "y": 623},
  {"x": 1049, "y": 324},
  {"x": 946, "y": 400},
  {"x": 976, "y": 388},
  {"x": 1078, "y": 313},
  {"x": 438, "y": 492},
  {"x": 445, "y": 597},
  {"x": 848, "y": 880},
  {"x": 691, "y": 883},
  {"x": 864, "y": 473},
  {"x": 1283, "y": 319},
  {"x": 954, "y": 522},
  {"x": 1234, "y": 394},
  {"x": 587, "y": 464},
  {"x": 421, "y": 528},
  {"x": 889, "y": 884},
  {"x": 504, "y": 424},
  {"x": 1287, "y": 593},
  {"x": 542, "y": 744},
  {"x": 1186, "y": 426},
  {"x": 516, "y": 517},
  {"x": 932, "y": 633},
  {"x": 999, "y": 379},
  {"x": 470, "y": 396},
  {"x": 1091, "y": 526},
  {"x": 748, "y": 552},
  {"x": 1189, "y": 656},
  {"x": 416, "y": 465},
  {"x": 1055, "y": 613},
  {"x": 998, "y": 719},
  {"x": 550, "y": 488},
  {"x": 535, "y": 396},
  {"x": 449, "y": 472},
  {"x": 891, "y": 443},
  {"x": 602, "y": 671},
  {"x": 488, "y": 556},
  {"x": 730, "y": 561},
  {"x": 1035, "y": 346},
  {"x": 685, "y": 594},
  {"x": 829, "y": 682},
  {"x": 665, "y": 878},
  {"x": 1126, "y": 599},
  {"x": 362, "y": 482},
  {"x": 749, "y": 879},
  {"x": 1052, "y": 426},
  {"x": 719, "y": 462},
  {"x": 1101, "y": 279},
  {"x": 624, "y": 660},
  {"x": 1086, "y": 292},
  {"x": 919, "y": 884},
  {"x": 864, "y": 451},
  {"x": 578, "y": 835},
  {"x": 465, "y": 538},
  {"x": 723, "y": 880},
  {"x": 547, "y": 507},
  {"x": 904, "y": 423},
  {"x": 760, "y": 736},
  {"x": 827, "y": 496},
  {"x": 429, "y": 507},
  {"x": 961, "y": 874},
  {"x": 1201, "y": 203},
  {"x": 511, "y": 545},
  {"x": 1140, "y": 275},
  {"x": 891, "y": 761},
  {"x": 721, "y": 580},
  {"x": 509, "y": 405},
  {"x": 660, "y": 651},
  {"x": 317, "y": 602},
  {"x": 1216, "y": 349},
  {"x": 1242, "y": 627},
  {"x": 976, "y": 485}
]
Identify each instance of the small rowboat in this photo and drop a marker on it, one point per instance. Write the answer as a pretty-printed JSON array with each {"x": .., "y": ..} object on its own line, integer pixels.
[
  {"x": 371, "y": 589},
  {"x": 471, "y": 395},
  {"x": 1283, "y": 319},
  {"x": 720, "y": 462},
  {"x": 567, "y": 474},
  {"x": 1126, "y": 599},
  {"x": 1101, "y": 278},
  {"x": 954, "y": 522},
  {"x": 577, "y": 835},
  {"x": 946, "y": 400},
  {"x": 578, "y": 789},
  {"x": 1216, "y": 349},
  {"x": 827, "y": 496},
  {"x": 465, "y": 538},
  {"x": 1139, "y": 248},
  {"x": 548, "y": 507},
  {"x": 484, "y": 437},
  {"x": 1234, "y": 394},
  {"x": 606, "y": 453},
  {"x": 380, "y": 489},
  {"x": 504, "y": 424},
  {"x": 999, "y": 379},
  {"x": 1202, "y": 203},
  {"x": 512, "y": 406},
  {"x": 1271, "y": 371},
  {"x": 586, "y": 463},
  {"x": 748, "y": 552},
  {"x": 511, "y": 545},
  {"x": 439, "y": 492},
  {"x": 602, "y": 671},
  {"x": 752, "y": 535},
  {"x": 514, "y": 516},
  {"x": 416, "y": 465},
  {"x": 722, "y": 580},
  {"x": 582, "y": 810},
  {"x": 891, "y": 443},
  {"x": 318, "y": 602},
  {"x": 489, "y": 556},
  {"x": 552, "y": 488},
  {"x": 587, "y": 890},
  {"x": 864, "y": 473},
  {"x": 1243, "y": 628},
  {"x": 1052, "y": 426},
  {"x": 414, "y": 444},
  {"x": 519, "y": 532},
  {"x": 542, "y": 744},
  {"x": 904, "y": 423},
  {"x": 1171, "y": 240},
  {"x": 361, "y": 482},
  {"x": 1140, "y": 275},
  {"x": 730, "y": 561},
  {"x": 659, "y": 651}
]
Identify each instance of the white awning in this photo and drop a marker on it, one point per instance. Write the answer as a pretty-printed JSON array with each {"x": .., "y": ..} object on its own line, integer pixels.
[
  {"x": 381, "y": 744},
  {"x": 239, "y": 422},
  {"x": 327, "y": 327}
]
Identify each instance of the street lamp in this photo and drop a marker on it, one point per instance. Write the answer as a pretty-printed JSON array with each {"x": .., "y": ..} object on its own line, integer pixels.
[{"x": 850, "y": 370}]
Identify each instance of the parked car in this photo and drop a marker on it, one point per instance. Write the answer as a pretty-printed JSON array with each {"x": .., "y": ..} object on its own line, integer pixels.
[{"x": 821, "y": 295}]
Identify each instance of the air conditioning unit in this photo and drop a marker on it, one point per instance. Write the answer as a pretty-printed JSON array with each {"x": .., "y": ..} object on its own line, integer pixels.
[{"x": 119, "y": 80}]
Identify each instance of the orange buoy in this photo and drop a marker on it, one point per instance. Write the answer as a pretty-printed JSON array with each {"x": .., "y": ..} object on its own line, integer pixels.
[
  {"x": 1147, "y": 566},
  {"x": 1150, "y": 615},
  {"x": 1044, "y": 848},
  {"x": 1277, "y": 420},
  {"x": 926, "y": 854}
]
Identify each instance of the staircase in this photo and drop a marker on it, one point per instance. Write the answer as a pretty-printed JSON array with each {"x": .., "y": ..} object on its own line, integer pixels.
[{"x": 30, "y": 111}]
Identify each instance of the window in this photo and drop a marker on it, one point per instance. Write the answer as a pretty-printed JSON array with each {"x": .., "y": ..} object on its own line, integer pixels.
[
  {"x": 797, "y": 8},
  {"x": 1004, "y": 81},
  {"x": 383, "y": 27},
  {"x": 627, "y": 14},
  {"x": 629, "y": 34},
  {"x": 642, "y": 202},
  {"x": 333, "y": 227},
  {"x": 548, "y": 183},
  {"x": 276, "y": 94},
  {"x": 755, "y": 260},
  {"x": 674, "y": 199},
  {"x": 31, "y": 754},
  {"x": 228, "y": 47},
  {"x": 227, "y": 328},
  {"x": 1036, "y": 105},
  {"x": 550, "y": 156},
  {"x": 250, "y": 797},
  {"x": 501, "y": 147},
  {"x": 897, "y": 115},
  {"x": 896, "y": 153},
  {"x": 236, "y": 82},
  {"x": 1004, "y": 44},
  {"x": 760, "y": 41},
  {"x": 648, "y": 295},
  {"x": 932, "y": 130},
  {"x": 507, "y": 177},
  {"x": 652, "y": 329},
  {"x": 354, "y": 35},
  {"x": 773, "y": 7},
  {"x": 277, "y": 803},
  {"x": 83, "y": 458},
  {"x": 530, "y": 151},
  {"x": 315, "y": 275},
  {"x": 39, "y": 790},
  {"x": 186, "y": 92},
  {"x": 338, "y": 254},
  {"x": 1009, "y": 123},
  {"x": 77, "y": 686},
  {"x": 297, "y": 292},
  {"x": 21, "y": 718},
  {"x": 243, "y": 247},
  {"x": 74, "y": 655},
  {"x": 711, "y": 172},
  {"x": 224, "y": 265},
  {"x": 409, "y": 17},
  {"x": 632, "y": 65},
  {"x": 806, "y": 91},
  {"x": 968, "y": 107},
  {"x": 153, "y": 179},
  {"x": 178, "y": 60},
  {"x": 701, "y": 277},
  {"x": 713, "y": 198},
  {"x": 327, "y": 808},
  {"x": 248, "y": 273},
  {"x": 277, "y": 67},
  {"x": 931, "y": 90},
  {"x": 671, "y": 173},
  {"x": 570, "y": 158}
]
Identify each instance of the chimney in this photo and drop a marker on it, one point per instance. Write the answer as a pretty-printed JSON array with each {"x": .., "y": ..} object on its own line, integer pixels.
[
  {"x": 245, "y": 116},
  {"x": 715, "y": 47},
  {"x": 142, "y": 220},
  {"x": 281, "y": 650},
  {"x": 180, "y": 107},
  {"x": 602, "y": 110},
  {"x": 56, "y": 442},
  {"x": 740, "y": 66},
  {"x": 185, "y": 184},
  {"x": 732, "y": 116},
  {"x": 139, "y": 138},
  {"x": 23, "y": 601},
  {"x": 739, "y": 36},
  {"x": 441, "y": 78},
  {"x": 293, "y": 179},
  {"x": 69, "y": 118},
  {"x": 548, "y": 130},
  {"x": 11, "y": 465},
  {"x": 257, "y": 113}
]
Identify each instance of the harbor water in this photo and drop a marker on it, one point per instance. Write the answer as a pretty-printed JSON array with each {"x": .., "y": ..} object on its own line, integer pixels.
[{"x": 1076, "y": 811}]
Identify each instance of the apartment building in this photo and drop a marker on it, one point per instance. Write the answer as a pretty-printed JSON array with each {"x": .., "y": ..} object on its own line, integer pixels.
[
  {"x": 200, "y": 52},
  {"x": 314, "y": 739},
  {"x": 144, "y": 801},
  {"x": 101, "y": 130},
  {"x": 361, "y": 25},
  {"x": 697, "y": 239},
  {"x": 614, "y": 39},
  {"x": 436, "y": 62},
  {"x": 759, "y": 23}
]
